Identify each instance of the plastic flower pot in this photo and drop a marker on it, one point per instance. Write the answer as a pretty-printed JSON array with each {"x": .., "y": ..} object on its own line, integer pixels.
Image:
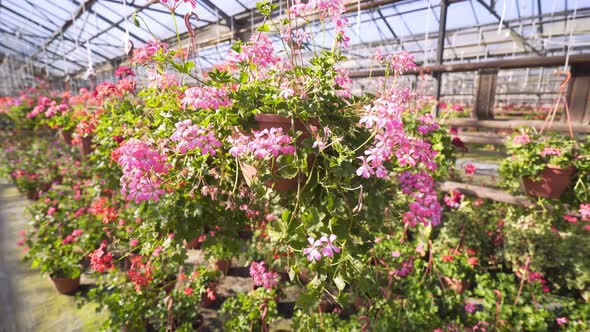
[
  {"x": 66, "y": 285},
  {"x": 268, "y": 121},
  {"x": 66, "y": 136},
  {"x": 222, "y": 265},
  {"x": 553, "y": 182}
]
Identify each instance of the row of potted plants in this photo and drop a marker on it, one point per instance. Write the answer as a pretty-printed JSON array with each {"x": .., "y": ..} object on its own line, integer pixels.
[{"x": 271, "y": 158}]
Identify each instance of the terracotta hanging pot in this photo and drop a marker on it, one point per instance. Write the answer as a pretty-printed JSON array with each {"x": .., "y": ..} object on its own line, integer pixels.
[
  {"x": 86, "y": 146},
  {"x": 66, "y": 136},
  {"x": 66, "y": 285},
  {"x": 193, "y": 244},
  {"x": 223, "y": 265},
  {"x": 553, "y": 182},
  {"x": 206, "y": 302},
  {"x": 268, "y": 121}
]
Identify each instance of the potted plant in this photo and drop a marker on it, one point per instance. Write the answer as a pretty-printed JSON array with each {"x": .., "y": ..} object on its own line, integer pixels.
[
  {"x": 57, "y": 256},
  {"x": 544, "y": 163},
  {"x": 254, "y": 311},
  {"x": 219, "y": 250}
]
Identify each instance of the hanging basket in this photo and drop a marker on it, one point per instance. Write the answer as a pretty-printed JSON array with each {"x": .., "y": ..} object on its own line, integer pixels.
[
  {"x": 269, "y": 121},
  {"x": 222, "y": 265},
  {"x": 552, "y": 183},
  {"x": 66, "y": 136},
  {"x": 86, "y": 146}
]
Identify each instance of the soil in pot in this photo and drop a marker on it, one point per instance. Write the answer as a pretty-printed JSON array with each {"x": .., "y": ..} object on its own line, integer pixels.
[
  {"x": 66, "y": 285},
  {"x": 553, "y": 182}
]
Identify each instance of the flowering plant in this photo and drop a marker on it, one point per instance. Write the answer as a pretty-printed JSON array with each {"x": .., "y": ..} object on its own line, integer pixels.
[
  {"x": 62, "y": 233},
  {"x": 530, "y": 153},
  {"x": 250, "y": 312}
]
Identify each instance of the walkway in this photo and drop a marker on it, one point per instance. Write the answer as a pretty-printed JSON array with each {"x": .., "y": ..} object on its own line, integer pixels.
[{"x": 28, "y": 301}]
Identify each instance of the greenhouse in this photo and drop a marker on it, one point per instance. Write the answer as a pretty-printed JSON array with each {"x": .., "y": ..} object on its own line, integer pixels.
[{"x": 298, "y": 165}]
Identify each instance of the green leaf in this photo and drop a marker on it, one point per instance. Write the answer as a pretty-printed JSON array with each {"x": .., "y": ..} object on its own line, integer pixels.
[
  {"x": 135, "y": 20},
  {"x": 264, "y": 28},
  {"x": 339, "y": 281}
]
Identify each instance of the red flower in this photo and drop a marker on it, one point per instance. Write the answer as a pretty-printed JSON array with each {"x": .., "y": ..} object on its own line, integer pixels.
[
  {"x": 472, "y": 261},
  {"x": 470, "y": 168},
  {"x": 188, "y": 291},
  {"x": 570, "y": 218},
  {"x": 448, "y": 258},
  {"x": 100, "y": 260},
  {"x": 140, "y": 274}
]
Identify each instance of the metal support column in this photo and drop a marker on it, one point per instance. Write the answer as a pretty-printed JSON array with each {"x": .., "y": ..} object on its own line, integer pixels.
[
  {"x": 485, "y": 94},
  {"x": 442, "y": 28}
]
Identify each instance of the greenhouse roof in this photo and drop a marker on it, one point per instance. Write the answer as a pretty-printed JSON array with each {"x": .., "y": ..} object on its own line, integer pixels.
[{"x": 65, "y": 36}]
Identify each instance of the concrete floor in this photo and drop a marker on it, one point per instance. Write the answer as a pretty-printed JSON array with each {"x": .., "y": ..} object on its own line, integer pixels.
[{"x": 28, "y": 301}]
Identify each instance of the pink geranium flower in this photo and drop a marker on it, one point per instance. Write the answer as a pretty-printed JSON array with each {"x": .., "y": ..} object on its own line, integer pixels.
[
  {"x": 470, "y": 168},
  {"x": 313, "y": 251}
]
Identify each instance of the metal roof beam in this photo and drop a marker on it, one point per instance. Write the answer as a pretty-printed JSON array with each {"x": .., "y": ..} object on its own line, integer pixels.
[
  {"x": 20, "y": 53},
  {"x": 137, "y": 6},
  {"x": 26, "y": 18},
  {"x": 220, "y": 12},
  {"x": 65, "y": 26},
  {"x": 113, "y": 24},
  {"x": 522, "y": 39}
]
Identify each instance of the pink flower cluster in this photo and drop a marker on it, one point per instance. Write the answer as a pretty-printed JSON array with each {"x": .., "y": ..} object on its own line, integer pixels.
[
  {"x": 258, "y": 51},
  {"x": 123, "y": 71},
  {"x": 470, "y": 169},
  {"x": 126, "y": 85},
  {"x": 101, "y": 260},
  {"x": 550, "y": 152},
  {"x": 173, "y": 4},
  {"x": 323, "y": 247},
  {"x": 189, "y": 137},
  {"x": 399, "y": 63},
  {"x": 343, "y": 81},
  {"x": 72, "y": 237},
  {"x": 428, "y": 124},
  {"x": 585, "y": 211},
  {"x": 144, "y": 54},
  {"x": 454, "y": 201},
  {"x": 49, "y": 107},
  {"x": 326, "y": 8},
  {"x": 402, "y": 62},
  {"x": 262, "y": 144},
  {"x": 105, "y": 90},
  {"x": 392, "y": 144},
  {"x": 163, "y": 81},
  {"x": 536, "y": 276},
  {"x": 261, "y": 277},
  {"x": 143, "y": 168},
  {"x": 521, "y": 139},
  {"x": 206, "y": 97}
]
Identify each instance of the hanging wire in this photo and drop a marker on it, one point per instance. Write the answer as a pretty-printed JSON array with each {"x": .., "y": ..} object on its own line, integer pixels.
[
  {"x": 358, "y": 20},
  {"x": 572, "y": 25},
  {"x": 426, "y": 40},
  {"x": 126, "y": 45},
  {"x": 217, "y": 34},
  {"x": 501, "y": 24}
]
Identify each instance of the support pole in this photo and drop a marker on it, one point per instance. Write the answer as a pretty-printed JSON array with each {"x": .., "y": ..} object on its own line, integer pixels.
[{"x": 442, "y": 29}]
